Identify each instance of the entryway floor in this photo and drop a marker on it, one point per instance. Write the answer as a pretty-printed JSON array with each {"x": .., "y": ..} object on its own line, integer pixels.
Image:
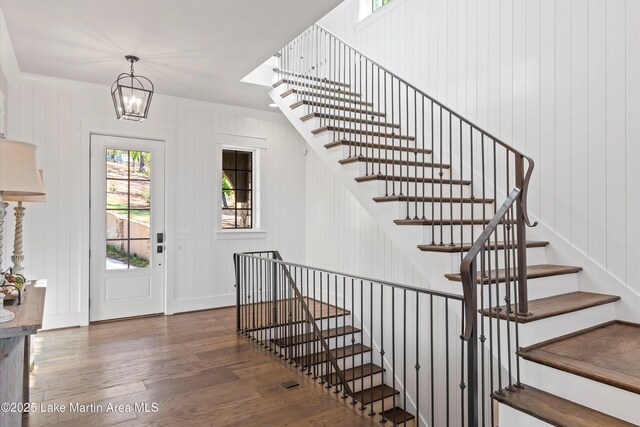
[{"x": 193, "y": 366}]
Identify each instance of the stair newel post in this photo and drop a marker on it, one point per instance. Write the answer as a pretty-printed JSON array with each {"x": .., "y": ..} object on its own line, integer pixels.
[
  {"x": 274, "y": 301},
  {"x": 521, "y": 239},
  {"x": 236, "y": 268},
  {"x": 470, "y": 332}
]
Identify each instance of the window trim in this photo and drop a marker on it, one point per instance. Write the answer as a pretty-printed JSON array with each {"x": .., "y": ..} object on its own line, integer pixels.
[
  {"x": 240, "y": 143},
  {"x": 249, "y": 190},
  {"x": 371, "y": 16}
]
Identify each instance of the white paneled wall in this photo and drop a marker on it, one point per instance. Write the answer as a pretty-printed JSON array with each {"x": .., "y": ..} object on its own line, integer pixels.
[
  {"x": 49, "y": 113},
  {"x": 341, "y": 235},
  {"x": 558, "y": 79}
]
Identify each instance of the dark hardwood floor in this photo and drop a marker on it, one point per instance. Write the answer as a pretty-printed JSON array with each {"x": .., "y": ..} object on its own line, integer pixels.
[{"x": 194, "y": 366}]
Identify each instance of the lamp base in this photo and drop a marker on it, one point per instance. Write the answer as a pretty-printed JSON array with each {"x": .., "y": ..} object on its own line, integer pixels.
[{"x": 6, "y": 315}]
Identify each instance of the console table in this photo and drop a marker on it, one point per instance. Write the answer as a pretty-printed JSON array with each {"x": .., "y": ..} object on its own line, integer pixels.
[{"x": 15, "y": 350}]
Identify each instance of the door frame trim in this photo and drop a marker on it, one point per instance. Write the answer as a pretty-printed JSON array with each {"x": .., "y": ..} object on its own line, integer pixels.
[{"x": 120, "y": 129}]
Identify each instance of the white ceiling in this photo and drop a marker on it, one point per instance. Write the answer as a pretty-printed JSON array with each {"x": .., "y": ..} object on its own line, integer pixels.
[{"x": 197, "y": 49}]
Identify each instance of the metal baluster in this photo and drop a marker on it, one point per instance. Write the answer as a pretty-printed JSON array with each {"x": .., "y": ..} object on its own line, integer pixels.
[
  {"x": 344, "y": 334},
  {"x": 353, "y": 339},
  {"x": 450, "y": 175},
  {"x": 371, "y": 411},
  {"x": 441, "y": 174},
  {"x": 446, "y": 339},
  {"x": 393, "y": 347},
  {"x": 362, "y": 407},
  {"x": 462, "y": 360},
  {"x": 415, "y": 149},
  {"x": 417, "y": 365},
  {"x": 461, "y": 196},
  {"x": 404, "y": 354},
  {"x": 432, "y": 364},
  {"x": 383, "y": 418}
]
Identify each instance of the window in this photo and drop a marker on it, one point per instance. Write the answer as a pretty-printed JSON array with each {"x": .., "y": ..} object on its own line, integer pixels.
[
  {"x": 237, "y": 189},
  {"x": 377, "y": 4},
  {"x": 128, "y": 209}
]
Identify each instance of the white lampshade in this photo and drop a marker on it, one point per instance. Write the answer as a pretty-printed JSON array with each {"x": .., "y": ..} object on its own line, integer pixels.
[
  {"x": 19, "y": 170},
  {"x": 16, "y": 197}
]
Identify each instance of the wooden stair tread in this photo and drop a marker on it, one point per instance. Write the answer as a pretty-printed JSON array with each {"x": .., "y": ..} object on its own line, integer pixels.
[
  {"x": 351, "y": 109},
  {"x": 374, "y": 394},
  {"x": 366, "y": 132},
  {"x": 355, "y": 373},
  {"x": 397, "y": 415},
  {"x": 556, "y": 305},
  {"x": 314, "y": 86},
  {"x": 311, "y": 336},
  {"x": 608, "y": 353},
  {"x": 445, "y": 221},
  {"x": 312, "y": 78},
  {"x": 429, "y": 199},
  {"x": 340, "y": 118},
  {"x": 375, "y": 147},
  {"x": 355, "y": 159},
  {"x": 556, "y": 410},
  {"x": 533, "y": 272},
  {"x": 310, "y": 96},
  {"x": 429, "y": 180},
  {"x": 467, "y": 247},
  {"x": 338, "y": 353}
]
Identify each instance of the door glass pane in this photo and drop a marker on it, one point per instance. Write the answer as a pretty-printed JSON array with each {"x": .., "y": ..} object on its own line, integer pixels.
[
  {"x": 117, "y": 221},
  {"x": 228, "y": 218},
  {"x": 117, "y": 161},
  {"x": 117, "y": 194},
  {"x": 140, "y": 224},
  {"x": 140, "y": 252},
  {"x": 140, "y": 194},
  {"x": 117, "y": 254},
  {"x": 140, "y": 165},
  {"x": 128, "y": 215}
]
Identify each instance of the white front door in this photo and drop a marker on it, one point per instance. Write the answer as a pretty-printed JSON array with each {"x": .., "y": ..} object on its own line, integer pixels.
[{"x": 127, "y": 227}]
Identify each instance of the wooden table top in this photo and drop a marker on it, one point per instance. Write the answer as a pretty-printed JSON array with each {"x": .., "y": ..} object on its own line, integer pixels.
[{"x": 28, "y": 315}]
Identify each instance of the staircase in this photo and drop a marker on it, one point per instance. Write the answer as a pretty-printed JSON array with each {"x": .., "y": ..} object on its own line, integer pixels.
[{"x": 453, "y": 197}]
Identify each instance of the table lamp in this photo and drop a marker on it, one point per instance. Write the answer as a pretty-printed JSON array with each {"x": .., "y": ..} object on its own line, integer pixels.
[
  {"x": 18, "y": 257},
  {"x": 19, "y": 175}
]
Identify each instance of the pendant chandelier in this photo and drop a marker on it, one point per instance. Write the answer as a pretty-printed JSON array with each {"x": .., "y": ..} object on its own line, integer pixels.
[{"x": 132, "y": 94}]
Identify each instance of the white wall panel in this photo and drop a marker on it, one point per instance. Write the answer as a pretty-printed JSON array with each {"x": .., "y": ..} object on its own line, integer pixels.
[
  {"x": 556, "y": 78},
  {"x": 48, "y": 113}
]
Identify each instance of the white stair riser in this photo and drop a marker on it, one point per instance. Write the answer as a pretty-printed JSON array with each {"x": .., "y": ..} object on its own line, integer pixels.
[
  {"x": 334, "y": 342},
  {"x": 326, "y": 98},
  {"x": 395, "y": 169},
  {"x": 437, "y": 233},
  {"x": 593, "y": 394},
  {"x": 537, "y": 288},
  {"x": 383, "y": 188},
  {"x": 382, "y": 153},
  {"x": 365, "y": 382},
  {"x": 445, "y": 210},
  {"x": 357, "y": 360},
  {"x": 512, "y": 417},
  {"x": 557, "y": 326},
  {"x": 534, "y": 256},
  {"x": 542, "y": 330}
]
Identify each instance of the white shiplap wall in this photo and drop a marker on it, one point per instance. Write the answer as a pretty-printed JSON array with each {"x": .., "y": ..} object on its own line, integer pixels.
[
  {"x": 48, "y": 112},
  {"x": 342, "y": 236},
  {"x": 558, "y": 79}
]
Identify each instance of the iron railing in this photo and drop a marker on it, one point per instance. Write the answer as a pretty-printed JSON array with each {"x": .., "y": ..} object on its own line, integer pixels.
[
  {"x": 450, "y": 174},
  {"x": 464, "y": 185},
  {"x": 353, "y": 333}
]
